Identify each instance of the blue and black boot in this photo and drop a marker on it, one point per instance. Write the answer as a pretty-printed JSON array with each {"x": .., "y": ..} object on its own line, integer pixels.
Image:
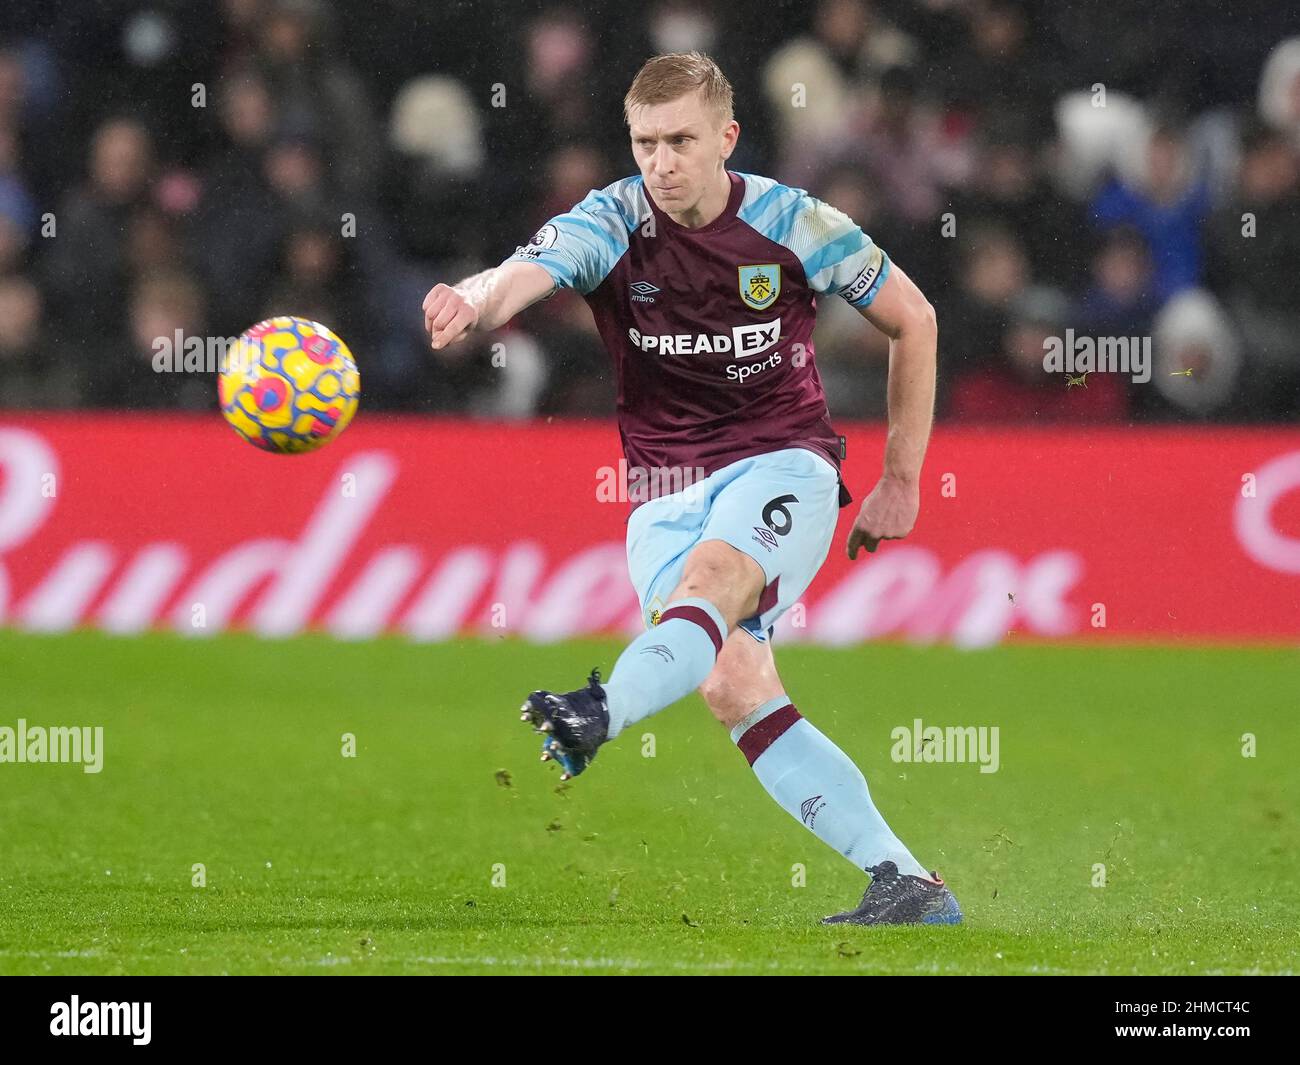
[{"x": 572, "y": 725}]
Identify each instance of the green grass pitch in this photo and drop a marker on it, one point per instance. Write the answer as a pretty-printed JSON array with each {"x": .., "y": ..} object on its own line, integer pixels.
[{"x": 228, "y": 752}]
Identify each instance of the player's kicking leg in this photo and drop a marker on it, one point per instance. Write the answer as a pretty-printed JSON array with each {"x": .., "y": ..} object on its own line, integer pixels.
[
  {"x": 818, "y": 785},
  {"x": 719, "y": 585}
]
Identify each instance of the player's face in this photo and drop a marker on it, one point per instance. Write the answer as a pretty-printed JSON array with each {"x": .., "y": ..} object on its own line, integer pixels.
[{"x": 680, "y": 148}]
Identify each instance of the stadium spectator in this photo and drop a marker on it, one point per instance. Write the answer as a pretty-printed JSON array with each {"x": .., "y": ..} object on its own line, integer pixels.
[
  {"x": 17, "y": 207},
  {"x": 571, "y": 172},
  {"x": 904, "y": 147},
  {"x": 1008, "y": 187},
  {"x": 1255, "y": 242},
  {"x": 30, "y": 376},
  {"x": 153, "y": 242},
  {"x": 317, "y": 92},
  {"x": 579, "y": 379},
  {"x": 539, "y": 110},
  {"x": 160, "y": 307},
  {"x": 1016, "y": 387},
  {"x": 813, "y": 82},
  {"x": 497, "y": 376},
  {"x": 85, "y": 266},
  {"x": 25, "y": 155},
  {"x": 436, "y": 133},
  {"x": 1002, "y": 68},
  {"x": 240, "y": 234},
  {"x": 993, "y": 270},
  {"x": 1197, "y": 357},
  {"x": 1279, "y": 90},
  {"x": 317, "y": 276},
  {"x": 247, "y": 115},
  {"x": 240, "y": 23},
  {"x": 1120, "y": 300},
  {"x": 237, "y": 222},
  {"x": 1169, "y": 207},
  {"x": 13, "y": 89},
  {"x": 1096, "y": 132}
]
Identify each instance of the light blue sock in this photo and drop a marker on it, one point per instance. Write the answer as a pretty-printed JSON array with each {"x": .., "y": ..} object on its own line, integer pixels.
[
  {"x": 664, "y": 663},
  {"x": 818, "y": 785}
]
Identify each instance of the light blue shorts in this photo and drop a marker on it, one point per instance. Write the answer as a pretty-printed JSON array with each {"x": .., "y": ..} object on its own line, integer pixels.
[{"x": 779, "y": 508}]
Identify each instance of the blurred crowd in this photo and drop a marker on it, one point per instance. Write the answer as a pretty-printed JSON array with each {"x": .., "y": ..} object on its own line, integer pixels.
[{"x": 1115, "y": 169}]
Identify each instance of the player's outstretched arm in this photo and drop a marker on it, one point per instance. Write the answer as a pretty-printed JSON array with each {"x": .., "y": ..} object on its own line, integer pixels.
[
  {"x": 903, "y": 314},
  {"x": 484, "y": 302}
]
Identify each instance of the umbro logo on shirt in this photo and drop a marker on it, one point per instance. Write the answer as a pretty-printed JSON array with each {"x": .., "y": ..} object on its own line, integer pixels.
[{"x": 643, "y": 291}]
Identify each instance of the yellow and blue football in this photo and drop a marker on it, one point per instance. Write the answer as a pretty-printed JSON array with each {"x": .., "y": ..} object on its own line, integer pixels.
[{"x": 289, "y": 385}]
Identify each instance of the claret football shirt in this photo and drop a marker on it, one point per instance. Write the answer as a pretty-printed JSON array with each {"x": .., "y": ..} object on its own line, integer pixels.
[{"x": 710, "y": 329}]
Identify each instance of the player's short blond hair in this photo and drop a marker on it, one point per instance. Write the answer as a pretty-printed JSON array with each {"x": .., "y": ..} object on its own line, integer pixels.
[{"x": 668, "y": 77}]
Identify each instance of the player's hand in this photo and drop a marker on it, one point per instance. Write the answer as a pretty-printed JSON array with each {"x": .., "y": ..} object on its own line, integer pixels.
[
  {"x": 448, "y": 316},
  {"x": 888, "y": 513}
]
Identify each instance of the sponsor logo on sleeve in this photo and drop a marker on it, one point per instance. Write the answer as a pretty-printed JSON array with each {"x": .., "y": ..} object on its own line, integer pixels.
[{"x": 544, "y": 238}]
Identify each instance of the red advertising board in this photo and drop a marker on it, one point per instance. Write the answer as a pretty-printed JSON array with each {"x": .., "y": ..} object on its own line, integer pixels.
[{"x": 433, "y": 528}]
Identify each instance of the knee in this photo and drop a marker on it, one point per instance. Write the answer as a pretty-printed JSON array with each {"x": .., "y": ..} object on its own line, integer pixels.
[{"x": 728, "y": 699}]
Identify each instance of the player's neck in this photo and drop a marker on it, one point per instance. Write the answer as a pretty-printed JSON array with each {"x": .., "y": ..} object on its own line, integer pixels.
[{"x": 710, "y": 205}]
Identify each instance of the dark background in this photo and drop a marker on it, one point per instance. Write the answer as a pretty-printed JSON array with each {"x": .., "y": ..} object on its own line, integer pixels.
[{"x": 1117, "y": 220}]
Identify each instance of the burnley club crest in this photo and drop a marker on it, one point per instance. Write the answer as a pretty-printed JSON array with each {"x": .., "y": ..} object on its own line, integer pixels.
[{"x": 760, "y": 285}]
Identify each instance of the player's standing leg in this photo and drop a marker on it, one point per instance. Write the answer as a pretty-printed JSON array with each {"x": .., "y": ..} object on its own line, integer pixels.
[{"x": 819, "y": 785}]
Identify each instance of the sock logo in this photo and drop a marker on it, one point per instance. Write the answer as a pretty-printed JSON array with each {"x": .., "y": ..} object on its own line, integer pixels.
[
  {"x": 659, "y": 649},
  {"x": 809, "y": 809}
]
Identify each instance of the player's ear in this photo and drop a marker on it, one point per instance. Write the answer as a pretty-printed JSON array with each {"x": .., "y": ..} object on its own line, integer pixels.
[{"x": 730, "y": 135}]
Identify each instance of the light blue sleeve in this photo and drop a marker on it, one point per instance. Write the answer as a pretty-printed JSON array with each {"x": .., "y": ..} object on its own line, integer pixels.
[
  {"x": 837, "y": 257},
  {"x": 580, "y": 247}
]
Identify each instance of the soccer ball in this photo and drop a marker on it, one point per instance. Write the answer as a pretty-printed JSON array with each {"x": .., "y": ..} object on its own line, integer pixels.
[{"x": 289, "y": 385}]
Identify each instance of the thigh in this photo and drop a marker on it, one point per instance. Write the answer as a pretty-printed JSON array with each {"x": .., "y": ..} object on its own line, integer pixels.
[
  {"x": 660, "y": 536},
  {"x": 782, "y": 512}
]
